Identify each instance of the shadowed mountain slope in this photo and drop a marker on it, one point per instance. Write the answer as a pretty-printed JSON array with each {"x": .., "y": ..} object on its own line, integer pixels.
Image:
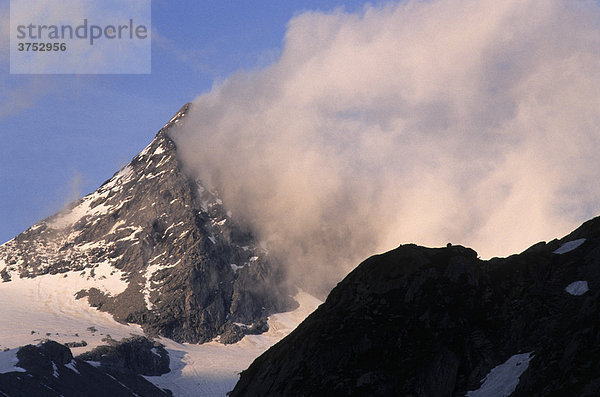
[{"x": 420, "y": 321}]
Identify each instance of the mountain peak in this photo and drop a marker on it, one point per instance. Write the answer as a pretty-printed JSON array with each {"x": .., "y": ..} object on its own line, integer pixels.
[
  {"x": 159, "y": 249},
  {"x": 180, "y": 113}
]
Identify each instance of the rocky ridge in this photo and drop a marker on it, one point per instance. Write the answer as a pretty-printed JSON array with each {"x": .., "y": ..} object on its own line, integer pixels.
[
  {"x": 50, "y": 370},
  {"x": 420, "y": 321}
]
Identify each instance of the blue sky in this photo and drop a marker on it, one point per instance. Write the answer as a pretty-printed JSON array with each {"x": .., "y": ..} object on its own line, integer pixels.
[{"x": 63, "y": 135}]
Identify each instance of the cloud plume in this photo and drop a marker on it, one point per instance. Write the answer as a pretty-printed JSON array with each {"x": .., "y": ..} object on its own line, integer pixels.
[{"x": 471, "y": 122}]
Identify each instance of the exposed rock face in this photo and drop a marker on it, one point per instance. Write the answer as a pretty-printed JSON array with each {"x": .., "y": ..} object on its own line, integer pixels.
[
  {"x": 136, "y": 354},
  {"x": 434, "y": 322},
  {"x": 191, "y": 270},
  {"x": 51, "y": 371}
]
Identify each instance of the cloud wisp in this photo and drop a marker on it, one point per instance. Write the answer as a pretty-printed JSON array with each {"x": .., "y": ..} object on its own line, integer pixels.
[{"x": 471, "y": 122}]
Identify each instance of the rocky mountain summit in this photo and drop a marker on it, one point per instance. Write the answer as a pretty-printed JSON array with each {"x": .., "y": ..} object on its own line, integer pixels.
[
  {"x": 159, "y": 249},
  {"x": 439, "y": 322}
]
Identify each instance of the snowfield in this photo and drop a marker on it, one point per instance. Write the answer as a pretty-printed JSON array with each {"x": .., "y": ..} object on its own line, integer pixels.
[
  {"x": 569, "y": 246},
  {"x": 8, "y": 359},
  {"x": 503, "y": 379},
  {"x": 212, "y": 369},
  {"x": 45, "y": 307},
  {"x": 577, "y": 288}
]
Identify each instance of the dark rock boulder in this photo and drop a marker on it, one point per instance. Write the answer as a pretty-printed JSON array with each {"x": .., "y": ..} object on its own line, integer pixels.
[
  {"x": 234, "y": 332},
  {"x": 40, "y": 359},
  {"x": 49, "y": 370},
  {"x": 136, "y": 354}
]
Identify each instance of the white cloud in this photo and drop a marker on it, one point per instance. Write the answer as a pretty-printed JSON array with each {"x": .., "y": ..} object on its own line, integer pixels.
[{"x": 474, "y": 122}]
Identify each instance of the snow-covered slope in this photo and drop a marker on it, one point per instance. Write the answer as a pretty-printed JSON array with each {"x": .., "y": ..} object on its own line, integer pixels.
[
  {"x": 212, "y": 369},
  {"x": 44, "y": 307}
]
